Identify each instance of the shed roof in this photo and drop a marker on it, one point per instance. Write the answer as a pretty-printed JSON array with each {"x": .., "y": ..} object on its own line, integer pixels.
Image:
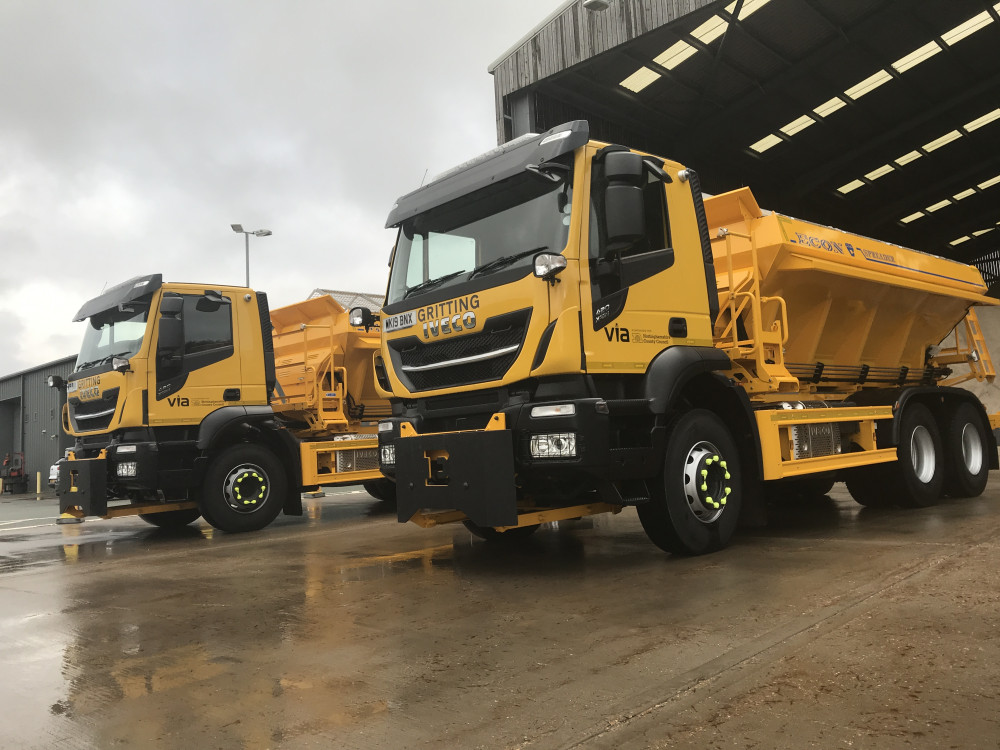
[{"x": 877, "y": 116}]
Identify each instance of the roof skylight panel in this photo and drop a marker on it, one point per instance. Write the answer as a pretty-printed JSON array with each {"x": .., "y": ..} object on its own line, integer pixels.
[{"x": 640, "y": 79}]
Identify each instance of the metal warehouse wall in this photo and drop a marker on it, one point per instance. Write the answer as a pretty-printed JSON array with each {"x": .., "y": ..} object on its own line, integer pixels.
[{"x": 30, "y": 416}]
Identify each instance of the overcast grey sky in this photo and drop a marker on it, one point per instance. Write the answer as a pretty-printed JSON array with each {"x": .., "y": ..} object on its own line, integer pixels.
[{"x": 132, "y": 134}]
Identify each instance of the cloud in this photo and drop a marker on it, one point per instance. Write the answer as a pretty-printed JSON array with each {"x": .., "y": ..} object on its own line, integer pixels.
[{"x": 134, "y": 134}]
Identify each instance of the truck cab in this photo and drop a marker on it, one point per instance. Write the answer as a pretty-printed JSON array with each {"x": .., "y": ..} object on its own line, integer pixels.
[
  {"x": 170, "y": 377},
  {"x": 527, "y": 303}
]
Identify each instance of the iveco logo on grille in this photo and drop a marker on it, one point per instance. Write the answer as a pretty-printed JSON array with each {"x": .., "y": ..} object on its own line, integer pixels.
[
  {"x": 453, "y": 316},
  {"x": 454, "y": 324}
]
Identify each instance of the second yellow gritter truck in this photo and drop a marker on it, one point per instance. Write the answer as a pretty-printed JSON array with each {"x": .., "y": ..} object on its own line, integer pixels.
[
  {"x": 193, "y": 400},
  {"x": 572, "y": 328}
]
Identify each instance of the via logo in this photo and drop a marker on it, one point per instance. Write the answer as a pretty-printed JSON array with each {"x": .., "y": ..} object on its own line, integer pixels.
[{"x": 617, "y": 334}]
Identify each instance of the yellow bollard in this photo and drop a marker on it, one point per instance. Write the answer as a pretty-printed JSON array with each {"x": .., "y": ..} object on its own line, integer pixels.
[{"x": 38, "y": 485}]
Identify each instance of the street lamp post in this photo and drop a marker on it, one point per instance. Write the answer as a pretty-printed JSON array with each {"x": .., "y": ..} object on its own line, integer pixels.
[{"x": 238, "y": 228}]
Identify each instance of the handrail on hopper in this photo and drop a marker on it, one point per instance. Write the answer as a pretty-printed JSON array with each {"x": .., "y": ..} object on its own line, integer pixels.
[
  {"x": 972, "y": 352},
  {"x": 762, "y": 350}
]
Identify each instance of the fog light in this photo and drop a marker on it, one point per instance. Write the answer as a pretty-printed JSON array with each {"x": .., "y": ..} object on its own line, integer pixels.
[
  {"x": 554, "y": 410},
  {"x": 388, "y": 455},
  {"x": 385, "y": 426},
  {"x": 125, "y": 449},
  {"x": 127, "y": 468},
  {"x": 554, "y": 445}
]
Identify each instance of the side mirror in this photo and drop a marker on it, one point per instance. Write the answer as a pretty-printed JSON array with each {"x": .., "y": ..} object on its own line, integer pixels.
[
  {"x": 210, "y": 301},
  {"x": 56, "y": 381},
  {"x": 624, "y": 204},
  {"x": 171, "y": 333},
  {"x": 361, "y": 316}
]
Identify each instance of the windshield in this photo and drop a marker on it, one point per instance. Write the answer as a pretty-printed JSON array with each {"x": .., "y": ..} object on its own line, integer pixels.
[
  {"x": 499, "y": 226},
  {"x": 113, "y": 333}
]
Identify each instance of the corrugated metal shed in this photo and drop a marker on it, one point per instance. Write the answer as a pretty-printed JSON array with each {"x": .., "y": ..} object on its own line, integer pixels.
[
  {"x": 30, "y": 419},
  {"x": 878, "y": 116}
]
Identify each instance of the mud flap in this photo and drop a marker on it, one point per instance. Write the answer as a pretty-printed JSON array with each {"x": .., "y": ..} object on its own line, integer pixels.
[
  {"x": 472, "y": 472},
  {"x": 83, "y": 483}
]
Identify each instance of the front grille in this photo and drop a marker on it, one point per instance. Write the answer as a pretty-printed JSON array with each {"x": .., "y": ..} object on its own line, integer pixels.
[
  {"x": 90, "y": 416},
  {"x": 502, "y": 332}
]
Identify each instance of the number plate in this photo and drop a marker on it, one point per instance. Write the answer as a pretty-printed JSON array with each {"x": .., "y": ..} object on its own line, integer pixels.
[{"x": 397, "y": 322}]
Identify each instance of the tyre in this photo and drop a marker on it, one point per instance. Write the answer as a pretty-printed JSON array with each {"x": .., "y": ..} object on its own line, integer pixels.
[
  {"x": 381, "y": 489},
  {"x": 492, "y": 535},
  {"x": 172, "y": 519},
  {"x": 244, "y": 488},
  {"x": 918, "y": 473},
  {"x": 801, "y": 488},
  {"x": 966, "y": 463},
  {"x": 697, "y": 496},
  {"x": 869, "y": 486}
]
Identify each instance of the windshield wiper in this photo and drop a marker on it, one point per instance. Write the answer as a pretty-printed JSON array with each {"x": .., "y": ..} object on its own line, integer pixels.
[
  {"x": 505, "y": 260},
  {"x": 430, "y": 283}
]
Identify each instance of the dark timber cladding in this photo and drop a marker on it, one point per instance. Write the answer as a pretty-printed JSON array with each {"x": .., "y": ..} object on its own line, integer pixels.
[{"x": 881, "y": 117}]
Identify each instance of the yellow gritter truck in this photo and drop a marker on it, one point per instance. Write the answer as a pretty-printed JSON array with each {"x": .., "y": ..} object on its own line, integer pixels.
[
  {"x": 194, "y": 400},
  {"x": 572, "y": 328}
]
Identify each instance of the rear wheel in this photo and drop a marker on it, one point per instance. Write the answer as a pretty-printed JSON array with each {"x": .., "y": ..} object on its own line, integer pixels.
[
  {"x": 381, "y": 489},
  {"x": 798, "y": 488},
  {"x": 244, "y": 488},
  {"x": 966, "y": 463},
  {"x": 696, "y": 499},
  {"x": 172, "y": 519},
  {"x": 869, "y": 486},
  {"x": 492, "y": 535},
  {"x": 919, "y": 471}
]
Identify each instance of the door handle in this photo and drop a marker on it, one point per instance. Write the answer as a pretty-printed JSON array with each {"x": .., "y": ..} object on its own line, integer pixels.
[{"x": 231, "y": 394}]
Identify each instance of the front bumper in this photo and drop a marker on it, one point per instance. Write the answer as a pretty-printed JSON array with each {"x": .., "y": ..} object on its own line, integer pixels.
[
  {"x": 482, "y": 472},
  {"x": 83, "y": 484},
  {"x": 88, "y": 483}
]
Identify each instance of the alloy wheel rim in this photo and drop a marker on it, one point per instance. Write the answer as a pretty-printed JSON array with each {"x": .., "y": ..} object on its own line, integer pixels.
[
  {"x": 972, "y": 449},
  {"x": 706, "y": 482},
  {"x": 922, "y": 454},
  {"x": 246, "y": 488}
]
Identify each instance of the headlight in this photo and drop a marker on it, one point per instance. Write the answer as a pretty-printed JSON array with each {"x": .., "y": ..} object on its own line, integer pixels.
[
  {"x": 554, "y": 445},
  {"x": 385, "y": 426},
  {"x": 127, "y": 468},
  {"x": 388, "y": 455},
  {"x": 125, "y": 449}
]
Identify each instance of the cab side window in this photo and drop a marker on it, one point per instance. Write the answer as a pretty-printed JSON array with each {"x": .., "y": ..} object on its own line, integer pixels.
[
  {"x": 207, "y": 326},
  {"x": 206, "y": 330}
]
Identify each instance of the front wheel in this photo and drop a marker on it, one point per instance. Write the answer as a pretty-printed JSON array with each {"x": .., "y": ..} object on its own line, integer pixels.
[
  {"x": 697, "y": 496},
  {"x": 244, "y": 488}
]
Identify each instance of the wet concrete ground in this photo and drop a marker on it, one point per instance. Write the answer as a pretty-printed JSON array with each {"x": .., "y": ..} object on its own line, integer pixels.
[{"x": 835, "y": 627}]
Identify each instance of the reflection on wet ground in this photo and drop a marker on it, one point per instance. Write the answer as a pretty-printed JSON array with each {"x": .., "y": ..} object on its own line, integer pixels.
[{"x": 344, "y": 628}]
